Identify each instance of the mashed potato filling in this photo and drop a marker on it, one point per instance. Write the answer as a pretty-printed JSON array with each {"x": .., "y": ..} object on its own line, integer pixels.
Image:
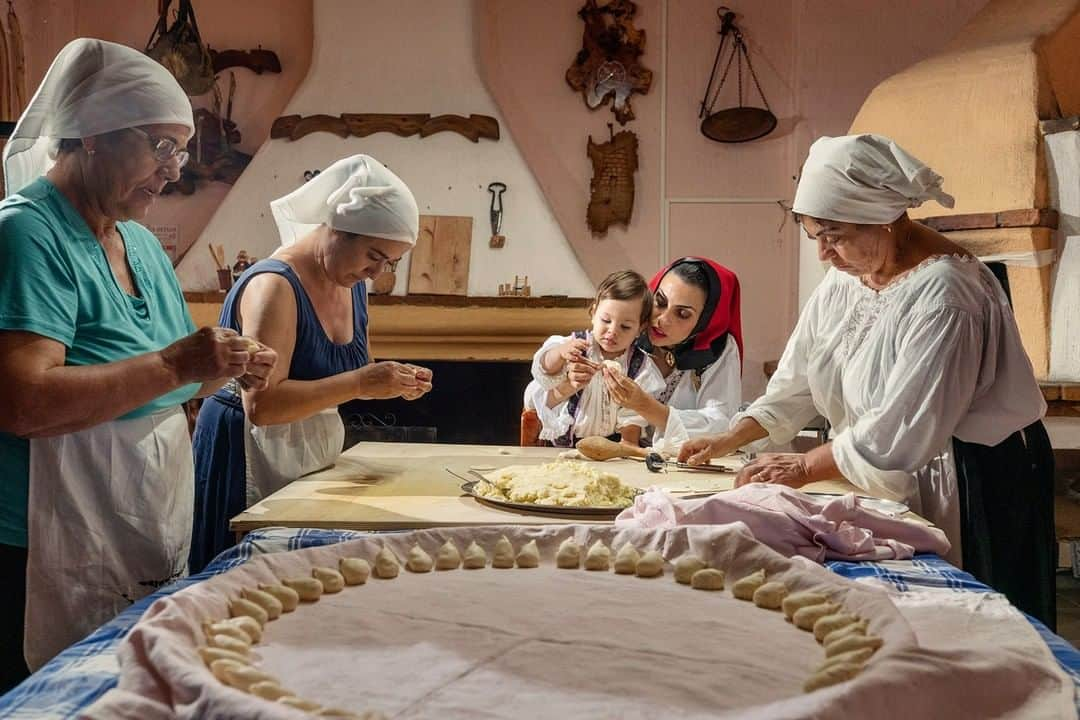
[{"x": 566, "y": 483}]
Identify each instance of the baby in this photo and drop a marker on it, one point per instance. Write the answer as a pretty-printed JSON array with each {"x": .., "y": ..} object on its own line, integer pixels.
[{"x": 568, "y": 390}]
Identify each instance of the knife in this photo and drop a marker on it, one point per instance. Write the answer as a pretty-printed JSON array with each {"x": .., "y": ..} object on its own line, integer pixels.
[{"x": 656, "y": 463}]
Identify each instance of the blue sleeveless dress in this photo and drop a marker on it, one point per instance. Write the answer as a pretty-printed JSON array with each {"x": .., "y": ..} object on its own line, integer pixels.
[{"x": 220, "y": 464}]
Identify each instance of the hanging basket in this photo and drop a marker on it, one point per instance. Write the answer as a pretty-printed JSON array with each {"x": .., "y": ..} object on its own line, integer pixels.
[{"x": 181, "y": 50}]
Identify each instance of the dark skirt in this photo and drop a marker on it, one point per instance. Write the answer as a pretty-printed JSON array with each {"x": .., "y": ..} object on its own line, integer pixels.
[
  {"x": 220, "y": 477},
  {"x": 1007, "y": 518}
]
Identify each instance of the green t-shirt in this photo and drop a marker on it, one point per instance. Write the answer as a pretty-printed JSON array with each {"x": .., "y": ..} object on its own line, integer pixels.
[{"x": 55, "y": 281}]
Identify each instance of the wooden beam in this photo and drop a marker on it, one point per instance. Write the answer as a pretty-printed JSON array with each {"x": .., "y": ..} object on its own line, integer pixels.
[{"x": 1032, "y": 217}]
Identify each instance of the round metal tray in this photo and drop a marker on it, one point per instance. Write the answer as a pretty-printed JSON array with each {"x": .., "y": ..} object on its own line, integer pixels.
[{"x": 469, "y": 488}]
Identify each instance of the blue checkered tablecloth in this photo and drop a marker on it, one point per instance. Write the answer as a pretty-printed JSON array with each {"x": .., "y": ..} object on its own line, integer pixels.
[{"x": 87, "y": 669}]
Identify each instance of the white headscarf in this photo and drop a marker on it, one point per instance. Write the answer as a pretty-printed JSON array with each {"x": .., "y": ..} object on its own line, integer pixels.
[
  {"x": 92, "y": 87},
  {"x": 866, "y": 179},
  {"x": 356, "y": 194}
]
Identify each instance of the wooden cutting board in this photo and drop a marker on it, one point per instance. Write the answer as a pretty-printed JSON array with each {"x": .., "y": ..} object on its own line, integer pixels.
[{"x": 439, "y": 264}]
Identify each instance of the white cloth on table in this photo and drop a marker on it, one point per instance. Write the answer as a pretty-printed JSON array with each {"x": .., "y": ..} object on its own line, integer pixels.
[
  {"x": 864, "y": 179},
  {"x": 899, "y": 373},
  {"x": 597, "y": 413},
  {"x": 357, "y": 194},
  {"x": 700, "y": 405},
  {"x": 92, "y": 87}
]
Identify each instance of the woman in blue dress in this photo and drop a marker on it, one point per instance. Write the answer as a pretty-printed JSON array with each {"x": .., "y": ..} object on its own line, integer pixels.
[{"x": 309, "y": 303}]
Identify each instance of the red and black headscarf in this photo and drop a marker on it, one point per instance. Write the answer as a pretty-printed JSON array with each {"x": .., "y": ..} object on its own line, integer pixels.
[{"x": 720, "y": 318}]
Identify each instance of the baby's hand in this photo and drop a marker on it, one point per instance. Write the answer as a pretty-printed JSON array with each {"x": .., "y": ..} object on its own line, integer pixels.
[{"x": 574, "y": 350}]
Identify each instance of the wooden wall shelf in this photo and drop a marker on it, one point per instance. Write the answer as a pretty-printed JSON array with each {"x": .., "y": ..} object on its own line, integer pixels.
[{"x": 444, "y": 327}]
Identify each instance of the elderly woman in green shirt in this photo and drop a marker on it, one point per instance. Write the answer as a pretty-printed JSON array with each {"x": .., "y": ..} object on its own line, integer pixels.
[{"x": 97, "y": 352}]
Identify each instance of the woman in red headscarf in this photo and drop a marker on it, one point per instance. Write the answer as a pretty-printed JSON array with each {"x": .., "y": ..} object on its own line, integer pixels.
[{"x": 695, "y": 339}]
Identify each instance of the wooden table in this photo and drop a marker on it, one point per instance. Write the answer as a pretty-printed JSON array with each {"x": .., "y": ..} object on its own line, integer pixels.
[{"x": 398, "y": 486}]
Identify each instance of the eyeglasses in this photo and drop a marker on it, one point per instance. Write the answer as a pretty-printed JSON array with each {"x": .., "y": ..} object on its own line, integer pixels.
[
  {"x": 388, "y": 265},
  {"x": 164, "y": 149}
]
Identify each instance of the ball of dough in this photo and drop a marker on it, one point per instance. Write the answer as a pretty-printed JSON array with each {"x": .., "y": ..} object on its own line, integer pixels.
[
  {"x": 855, "y": 657},
  {"x": 240, "y": 606},
  {"x": 598, "y": 557},
  {"x": 288, "y": 597},
  {"x": 218, "y": 668},
  {"x": 650, "y": 565},
  {"x": 245, "y": 676},
  {"x": 386, "y": 564},
  {"x": 268, "y": 690},
  {"x": 569, "y": 555},
  {"x": 475, "y": 557},
  {"x": 770, "y": 595},
  {"x": 210, "y": 654},
  {"x": 504, "y": 554},
  {"x": 829, "y": 623},
  {"x": 744, "y": 587},
  {"x": 614, "y": 366},
  {"x": 805, "y": 617},
  {"x": 852, "y": 642},
  {"x": 855, "y": 628},
  {"x": 211, "y": 629},
  {"x": 332, "y": 581},
  {"x": 233, "y": 645},
  {"x": 265, "y": 600},
  {"x": 707, "y": 579},
  {"x": 626, "y": 559},
  {"x": 418, "y": 561},
  {"x": 686, "y": 566},
  {"x": 248, "y": 624},
  {"x": 308, "y": 589},
  {"x": 355, "y": 570},
  {"x": 252, "y": 346},
  {"x": 528, "y": 556},
  {"x": 300, "y": 703},
  {"x": 794, "y": 601},
  {"x": 448, "y": 557},
  {"x": 831, "y": 676}
]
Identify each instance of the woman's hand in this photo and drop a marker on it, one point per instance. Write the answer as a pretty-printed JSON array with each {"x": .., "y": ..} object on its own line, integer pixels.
[
  {"x": 777, "y": 468},
  {"x": 625, "y": 391},
  {"x": 700, "y": 450},
  {"x": 389, "y": 379},
  {"x": 259, "y": 368},
  {"x": 209, "y": 353},
  {"x": 423, "y": 382}
]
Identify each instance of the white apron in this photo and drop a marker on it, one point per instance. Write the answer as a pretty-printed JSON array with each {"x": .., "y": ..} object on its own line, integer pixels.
[
  {"x": 109, "y": 522},
  {"x": 275, "y": 455}
]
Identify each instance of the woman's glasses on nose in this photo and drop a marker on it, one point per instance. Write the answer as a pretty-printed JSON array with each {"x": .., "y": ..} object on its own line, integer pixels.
[{"x": 164, "y": 149}]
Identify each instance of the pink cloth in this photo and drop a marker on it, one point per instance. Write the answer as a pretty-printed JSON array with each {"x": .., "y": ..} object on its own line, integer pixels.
[{"x": 793, "y": 523}]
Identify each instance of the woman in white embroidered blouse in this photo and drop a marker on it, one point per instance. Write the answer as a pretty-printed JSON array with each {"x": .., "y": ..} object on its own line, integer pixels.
[
  {"x": 695, "y": 340},
  {"x": 909, "y": 348}
]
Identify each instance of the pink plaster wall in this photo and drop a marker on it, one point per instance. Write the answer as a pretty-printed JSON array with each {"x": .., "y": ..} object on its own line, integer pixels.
[
  {"x": 524, "y": 49},
  {"x": 816, "y": 60},
  {"x": 283, "y": 26}
]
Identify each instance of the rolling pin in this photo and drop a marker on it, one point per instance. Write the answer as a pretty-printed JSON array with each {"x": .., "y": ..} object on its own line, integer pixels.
[{"x": 600, "y": 448}]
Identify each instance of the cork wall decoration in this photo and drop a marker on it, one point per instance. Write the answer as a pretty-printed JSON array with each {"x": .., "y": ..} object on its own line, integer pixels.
[{"x": 611, "y": 199}]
